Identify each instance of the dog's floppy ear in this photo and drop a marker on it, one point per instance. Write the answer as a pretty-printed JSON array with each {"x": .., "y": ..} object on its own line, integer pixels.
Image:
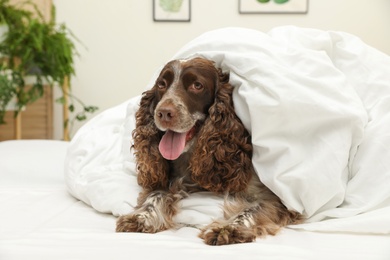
[
  {"x": 152, "y": 168},
  {"x": 222, "y": 160}
]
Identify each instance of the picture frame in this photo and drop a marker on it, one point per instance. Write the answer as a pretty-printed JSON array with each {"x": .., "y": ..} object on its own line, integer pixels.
[
  {"x": 171, "y": 10},
  {"x": 273, "y": 6}
]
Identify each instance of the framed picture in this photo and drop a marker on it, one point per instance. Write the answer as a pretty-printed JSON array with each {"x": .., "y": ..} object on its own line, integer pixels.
[
  {"x": 172, "y": 10},
  {"x": 273, "y": 6}
]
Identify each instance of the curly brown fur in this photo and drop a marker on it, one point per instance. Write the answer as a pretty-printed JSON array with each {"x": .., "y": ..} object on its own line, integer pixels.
[
  {"x": 223, "y": 146},
  {"x": 151, "y": 166},
  {"x": 188, "y": 139}
]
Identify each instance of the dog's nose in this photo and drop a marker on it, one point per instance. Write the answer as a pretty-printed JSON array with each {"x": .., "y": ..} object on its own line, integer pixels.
[{"x": 166, "y": 113}]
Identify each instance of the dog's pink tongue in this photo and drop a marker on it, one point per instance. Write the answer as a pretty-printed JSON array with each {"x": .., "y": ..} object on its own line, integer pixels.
[{"x": 172, "y": 144}]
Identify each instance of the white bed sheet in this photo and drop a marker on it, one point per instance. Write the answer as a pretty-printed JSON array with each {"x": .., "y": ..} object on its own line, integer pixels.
[{"x": 39, "y": 219}]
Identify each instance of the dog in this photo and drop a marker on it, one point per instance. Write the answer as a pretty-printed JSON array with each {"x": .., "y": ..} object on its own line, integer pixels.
[{"x": 188, "y": 139}]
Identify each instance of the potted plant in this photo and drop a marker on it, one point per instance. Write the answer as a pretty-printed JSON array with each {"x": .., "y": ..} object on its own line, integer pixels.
[{"x": 39, "y": 49}]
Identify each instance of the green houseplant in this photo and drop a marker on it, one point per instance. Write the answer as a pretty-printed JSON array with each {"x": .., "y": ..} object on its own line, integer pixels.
[{"x": 39, "y": 49}]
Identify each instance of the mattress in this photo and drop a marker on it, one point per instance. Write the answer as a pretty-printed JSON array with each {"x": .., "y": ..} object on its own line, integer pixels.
[{"x": 40, "y": 220}]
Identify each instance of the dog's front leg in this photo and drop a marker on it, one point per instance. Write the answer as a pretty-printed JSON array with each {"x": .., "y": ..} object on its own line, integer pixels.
[
  {"x": 154, "y": 213},
  {"x": 246, "y": 220}
]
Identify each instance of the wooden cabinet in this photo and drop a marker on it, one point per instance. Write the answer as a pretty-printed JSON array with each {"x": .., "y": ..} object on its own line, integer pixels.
[{"x": 36, "y": 120}]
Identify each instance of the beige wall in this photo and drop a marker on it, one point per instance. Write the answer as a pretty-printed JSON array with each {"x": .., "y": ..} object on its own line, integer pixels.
[{"x": 124, "y": 46}]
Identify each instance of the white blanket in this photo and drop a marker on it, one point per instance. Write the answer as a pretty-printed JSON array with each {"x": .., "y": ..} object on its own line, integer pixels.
[{"x": 317, "y": 105}]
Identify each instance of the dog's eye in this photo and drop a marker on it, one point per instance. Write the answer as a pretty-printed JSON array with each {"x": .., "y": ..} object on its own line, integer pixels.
[
  {"x": 197, "y": 86},
  {"x": 161, "y": 84}
]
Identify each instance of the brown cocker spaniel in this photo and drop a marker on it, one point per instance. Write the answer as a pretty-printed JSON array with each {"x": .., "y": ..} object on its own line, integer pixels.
[{"x": 189, "y": 139}]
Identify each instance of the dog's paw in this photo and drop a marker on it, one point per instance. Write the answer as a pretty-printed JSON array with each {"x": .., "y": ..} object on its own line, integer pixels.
[
  {"x": 216, "y": 234},
  {"x": 142, "y": 222}
]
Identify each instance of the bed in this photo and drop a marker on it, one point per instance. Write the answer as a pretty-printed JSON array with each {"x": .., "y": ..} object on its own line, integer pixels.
[{"x": 317, "y": 105}]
